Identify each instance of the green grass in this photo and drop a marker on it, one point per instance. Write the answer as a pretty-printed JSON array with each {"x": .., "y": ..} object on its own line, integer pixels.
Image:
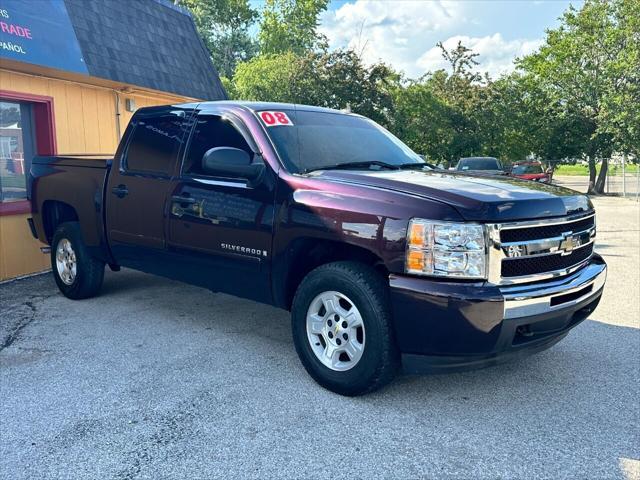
[{"x": 584, "y": 169}]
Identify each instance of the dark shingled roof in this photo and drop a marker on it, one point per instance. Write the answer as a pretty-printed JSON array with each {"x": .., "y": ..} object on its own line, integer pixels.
[{"x": 148, "y": 43}]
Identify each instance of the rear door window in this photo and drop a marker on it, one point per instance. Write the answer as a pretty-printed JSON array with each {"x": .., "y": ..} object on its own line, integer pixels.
[{"x": 155, "y": 143}]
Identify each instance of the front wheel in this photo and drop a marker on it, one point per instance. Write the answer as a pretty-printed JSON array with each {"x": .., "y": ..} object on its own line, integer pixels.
[
  {"x": 341, "y": 323},
  {"x": 77, "y": 274}
]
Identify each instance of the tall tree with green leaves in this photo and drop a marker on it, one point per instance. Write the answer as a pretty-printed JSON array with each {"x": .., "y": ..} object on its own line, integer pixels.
[
  {"x": 620, "y": 112},
  {"x": 224, "y": 27},
  {"x": 335, "y": 79},
  {"x": 423, "y": 120},
  {"x": 291, "y": 26},
  {"x": 463, "y": 90},
  {"x": 587, "y": 69}
]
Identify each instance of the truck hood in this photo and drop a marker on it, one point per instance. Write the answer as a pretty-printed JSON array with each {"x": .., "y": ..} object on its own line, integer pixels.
[{"x": 475, "y": 197}]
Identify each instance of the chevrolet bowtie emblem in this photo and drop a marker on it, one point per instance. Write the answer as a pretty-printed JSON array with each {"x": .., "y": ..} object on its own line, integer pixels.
[{"x": 568, "y": 243}]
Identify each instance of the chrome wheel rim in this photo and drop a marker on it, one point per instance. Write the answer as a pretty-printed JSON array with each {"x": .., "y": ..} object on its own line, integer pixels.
[
  {"x": 66, "y": 262},
  {"x": 335, "y": 331}
]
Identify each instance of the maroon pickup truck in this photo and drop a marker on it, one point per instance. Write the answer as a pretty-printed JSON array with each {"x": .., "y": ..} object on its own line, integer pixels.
[{"x": 383, "y": 261}]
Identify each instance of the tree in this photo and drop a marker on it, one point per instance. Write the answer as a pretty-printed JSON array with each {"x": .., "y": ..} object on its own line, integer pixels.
[
  {"x": 290, "y": 26},
  {"x": 462, "y": 61},
  {"x": 272, "y": 77},
  {"x": 224, "y": 27},
  {"x": 464, "y": 96},
  {"x": 503, "y": 120},
  {"x": 587, "y": 69},
  {"x": 547, "y": 128},
  {"x": 621, "y": 103},
  {"x": 423, "y": 120},
  {"x": 340, "y": 80},
  {"x": 335, "y": 79}
]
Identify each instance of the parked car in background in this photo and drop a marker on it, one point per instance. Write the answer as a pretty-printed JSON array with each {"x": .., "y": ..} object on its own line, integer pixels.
[
  {"x": 481, "y": 165},
  {"x": 530, "y": 171}
]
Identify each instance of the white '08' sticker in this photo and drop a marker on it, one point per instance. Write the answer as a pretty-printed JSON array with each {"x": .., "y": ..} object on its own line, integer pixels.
[{"x": 274, "y": 119}]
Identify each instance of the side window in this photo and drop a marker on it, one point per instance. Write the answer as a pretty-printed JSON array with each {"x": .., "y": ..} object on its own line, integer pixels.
[
  {"x": 155, "y": 143},
  {"x": 211, "y": 131}
]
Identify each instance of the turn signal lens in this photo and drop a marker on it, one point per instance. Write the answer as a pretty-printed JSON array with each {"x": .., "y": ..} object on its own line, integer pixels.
[
  {"x": 415, "y": 260},
  {"x": 416, "y": 234}
]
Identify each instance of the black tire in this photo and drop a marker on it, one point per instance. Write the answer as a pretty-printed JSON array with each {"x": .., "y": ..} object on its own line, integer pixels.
[
  {"x": 368, "y": 291},
  {"x": 89, "y": 271}
]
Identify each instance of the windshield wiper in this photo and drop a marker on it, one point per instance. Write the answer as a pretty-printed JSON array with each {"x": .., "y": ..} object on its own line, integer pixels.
[{"x": 355, "y": 165}]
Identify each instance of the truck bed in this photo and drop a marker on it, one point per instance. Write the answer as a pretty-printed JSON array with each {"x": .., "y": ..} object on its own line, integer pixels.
[{"x": 71, "y": 188}]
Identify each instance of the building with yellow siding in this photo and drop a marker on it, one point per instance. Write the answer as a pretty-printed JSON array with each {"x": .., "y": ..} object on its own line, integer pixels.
[{"x": 72, "y": 72}]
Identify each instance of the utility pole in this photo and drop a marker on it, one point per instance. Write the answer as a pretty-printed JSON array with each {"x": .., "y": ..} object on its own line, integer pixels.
[
  {"x": 624, "y": 175},
  {"x": 637, "y": 180}
]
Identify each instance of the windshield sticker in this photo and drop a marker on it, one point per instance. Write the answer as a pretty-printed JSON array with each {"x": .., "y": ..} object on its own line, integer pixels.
[{"x": 274, "y": 119}]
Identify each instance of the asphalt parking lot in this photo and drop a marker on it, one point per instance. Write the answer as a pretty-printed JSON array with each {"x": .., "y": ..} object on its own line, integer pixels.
[{"x": 155, "y": 379}]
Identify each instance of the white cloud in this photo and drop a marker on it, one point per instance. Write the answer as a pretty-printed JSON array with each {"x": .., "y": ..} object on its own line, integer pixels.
[
  {"x": 395, "y": 32},
  {"x": 404, "y": 34},
  {"x": 496, "y": 54}
]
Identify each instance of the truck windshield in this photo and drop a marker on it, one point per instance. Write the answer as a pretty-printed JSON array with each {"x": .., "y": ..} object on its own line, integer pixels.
[
  {"x": 526, "y": 169},
  {"x": 323, "y": 140},
  {"x": 479, "y": 163}
]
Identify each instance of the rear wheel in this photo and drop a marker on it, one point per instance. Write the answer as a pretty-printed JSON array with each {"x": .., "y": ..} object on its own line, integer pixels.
[
  {"x": 341, "y": 323},
  {"x": 77, "y": 274}
]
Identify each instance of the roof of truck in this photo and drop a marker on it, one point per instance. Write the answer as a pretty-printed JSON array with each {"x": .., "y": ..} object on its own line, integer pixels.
[{"x": 259, "y": 106}]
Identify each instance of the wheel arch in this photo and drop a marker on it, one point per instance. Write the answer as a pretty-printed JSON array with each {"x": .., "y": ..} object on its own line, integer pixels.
[
  {"x": 306, "y": 254},
  {"x": 55, "y": 213}
]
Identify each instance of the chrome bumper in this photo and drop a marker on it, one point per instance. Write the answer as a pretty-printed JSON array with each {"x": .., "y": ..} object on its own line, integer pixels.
[{"x": 526, "y": 300}]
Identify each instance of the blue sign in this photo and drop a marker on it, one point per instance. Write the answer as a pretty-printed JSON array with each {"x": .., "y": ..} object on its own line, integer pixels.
[{"x": 39, "y": 32}]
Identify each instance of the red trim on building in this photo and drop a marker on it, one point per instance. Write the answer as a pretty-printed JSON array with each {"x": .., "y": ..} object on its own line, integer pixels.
[
  {"x": 15, "y": 208},
  {"x": 44, "y": 119},
  {"x": 45, "y": 133}
]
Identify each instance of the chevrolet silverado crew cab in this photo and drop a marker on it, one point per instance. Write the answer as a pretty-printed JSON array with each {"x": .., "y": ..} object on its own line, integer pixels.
[{"x": 383, "y": 261}]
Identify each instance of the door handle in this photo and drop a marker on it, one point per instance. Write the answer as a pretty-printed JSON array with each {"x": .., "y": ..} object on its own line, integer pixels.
[
  {"x": 185, "y": 200},
  {"x": 120, "y": 191}
]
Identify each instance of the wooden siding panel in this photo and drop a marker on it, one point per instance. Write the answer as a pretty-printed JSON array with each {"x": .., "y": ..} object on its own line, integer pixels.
[
  {"x": 61, "y": 112},
  {"x": 76, "y": 120},
  {"x": 90, "y": 117},
  {"x": 106, "y": 122},
  {"x": 19, "y": 251}
]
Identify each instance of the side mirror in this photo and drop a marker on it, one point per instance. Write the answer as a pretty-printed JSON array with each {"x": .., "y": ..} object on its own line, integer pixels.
[{"x": 231, "y": 162}]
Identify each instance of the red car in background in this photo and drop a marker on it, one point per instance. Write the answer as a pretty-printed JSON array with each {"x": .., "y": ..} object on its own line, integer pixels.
[{"x": 530, "y": 171}]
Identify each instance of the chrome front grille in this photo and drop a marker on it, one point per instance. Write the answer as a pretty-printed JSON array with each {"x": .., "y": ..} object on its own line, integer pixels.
[
  {"x": 537, "y": 264},
  {"x": 531, "y": 251}
]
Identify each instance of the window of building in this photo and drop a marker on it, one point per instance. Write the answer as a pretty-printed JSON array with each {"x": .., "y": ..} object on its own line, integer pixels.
[
  {"x": 211, "y": 131},
  {"x": 155, "y": 143},
  {"x": 16, "y": 149}
]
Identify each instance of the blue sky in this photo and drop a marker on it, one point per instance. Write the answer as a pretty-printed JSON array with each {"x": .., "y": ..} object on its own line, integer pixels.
[{"x": 404, "y": 33}]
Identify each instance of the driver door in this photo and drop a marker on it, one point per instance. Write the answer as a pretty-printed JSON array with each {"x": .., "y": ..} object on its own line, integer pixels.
[{"x": 220, "y": 227}]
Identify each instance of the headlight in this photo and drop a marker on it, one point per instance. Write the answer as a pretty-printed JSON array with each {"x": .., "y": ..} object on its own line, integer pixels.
[{"x": 446, "y": 249}]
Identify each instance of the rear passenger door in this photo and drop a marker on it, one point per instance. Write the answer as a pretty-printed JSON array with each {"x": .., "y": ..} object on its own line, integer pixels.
[{"x": 138, "y": 185}]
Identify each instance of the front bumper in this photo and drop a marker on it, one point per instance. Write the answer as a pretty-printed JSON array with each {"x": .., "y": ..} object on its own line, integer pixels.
[{"x": 444, "y": 326}]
